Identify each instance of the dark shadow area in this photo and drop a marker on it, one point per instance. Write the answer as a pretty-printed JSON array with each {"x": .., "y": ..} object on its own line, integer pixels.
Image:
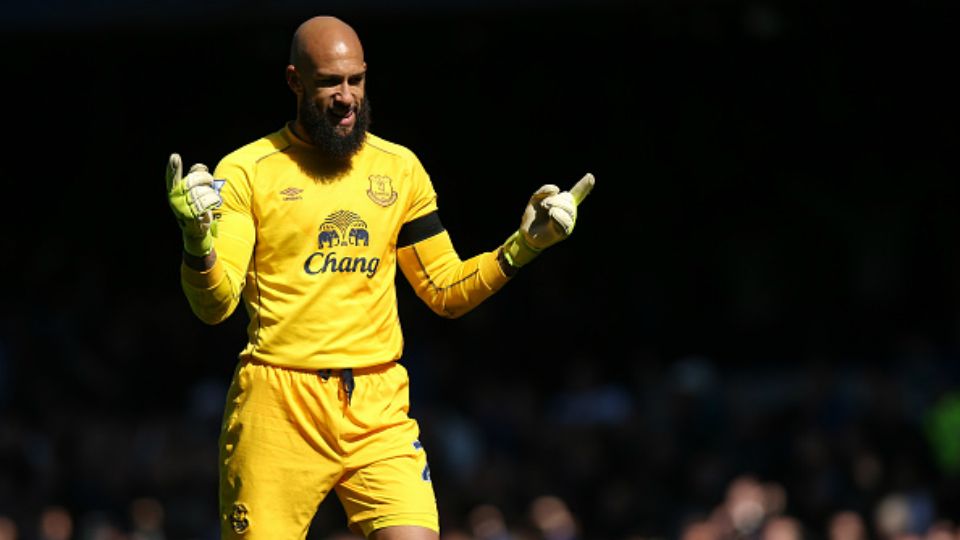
[{"x": 754, "y": 326}]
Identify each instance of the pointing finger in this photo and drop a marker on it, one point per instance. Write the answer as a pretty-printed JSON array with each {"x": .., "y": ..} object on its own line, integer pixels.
[{"x": 582, "y": 188}]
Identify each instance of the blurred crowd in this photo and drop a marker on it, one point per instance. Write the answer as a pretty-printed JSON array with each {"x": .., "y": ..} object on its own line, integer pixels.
[
  {"x": 778, "y": 365},
  {"x": 645, "y": 448}
]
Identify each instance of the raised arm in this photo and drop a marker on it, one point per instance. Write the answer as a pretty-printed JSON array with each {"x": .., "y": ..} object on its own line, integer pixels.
[
  {"x": 452, "y": 287},
  {"x": 211, "y": 282}
]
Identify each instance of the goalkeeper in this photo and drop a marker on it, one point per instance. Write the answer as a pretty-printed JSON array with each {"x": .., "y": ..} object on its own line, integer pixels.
[{"x": 306, "y": 227}]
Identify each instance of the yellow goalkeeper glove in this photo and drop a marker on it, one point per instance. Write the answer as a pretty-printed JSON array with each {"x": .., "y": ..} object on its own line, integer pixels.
[
  {"x": 193, "y": 199},
  {"x": 549, "y": 217}
]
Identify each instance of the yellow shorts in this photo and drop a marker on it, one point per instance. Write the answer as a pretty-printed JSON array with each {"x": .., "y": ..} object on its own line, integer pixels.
[{"x": 289, "y": 437}]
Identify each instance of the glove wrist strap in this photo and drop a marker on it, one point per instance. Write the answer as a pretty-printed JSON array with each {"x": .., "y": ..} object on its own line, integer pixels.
[
  {"x": 517, "y": 251},
  {"x": 198, "y": 247}
]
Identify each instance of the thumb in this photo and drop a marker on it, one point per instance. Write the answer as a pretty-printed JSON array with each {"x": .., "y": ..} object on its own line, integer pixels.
[
  {"x": 174, "y": 170},
  {"x": 582, "y": 188}
]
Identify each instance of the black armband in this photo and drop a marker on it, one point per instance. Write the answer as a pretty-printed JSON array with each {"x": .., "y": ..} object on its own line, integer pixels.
[{"x": 419, "y": 229}]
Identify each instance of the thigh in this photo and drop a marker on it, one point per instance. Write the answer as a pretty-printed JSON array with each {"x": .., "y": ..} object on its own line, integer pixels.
[
  {"x": 276, "y": 464},
  {"x": 387, "y": 482},
  {"x": 396, "y": 491}
]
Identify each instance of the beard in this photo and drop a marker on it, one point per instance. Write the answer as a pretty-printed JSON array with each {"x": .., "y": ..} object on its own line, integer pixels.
[{"x": 331, "y": 144}]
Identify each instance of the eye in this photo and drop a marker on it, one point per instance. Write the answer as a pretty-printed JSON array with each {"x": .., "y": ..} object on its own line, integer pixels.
[
  {"x": 327, "y": 82},
  {"x": 356, "y": 79}
]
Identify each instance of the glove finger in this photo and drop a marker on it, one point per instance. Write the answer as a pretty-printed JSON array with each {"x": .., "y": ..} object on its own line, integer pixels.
[
  {"x": 174, "y": 171},
  {"x": 197, "y": 178},
  {"x": 203, "y": 199},
  {"x": 562, "y": 200},
  {"x": 198, "y": 167},
  {"x": 582, "y": 188},
  {"x": 563, "y": 218},
  {"x": 545, "y": 190}
]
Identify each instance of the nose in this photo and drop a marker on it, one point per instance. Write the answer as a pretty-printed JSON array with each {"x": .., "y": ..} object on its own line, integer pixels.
[{"x": 344, "y": 96}]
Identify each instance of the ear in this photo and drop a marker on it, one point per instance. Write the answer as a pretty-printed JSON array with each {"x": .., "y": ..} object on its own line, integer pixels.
[{"x": 293, "y": 80}]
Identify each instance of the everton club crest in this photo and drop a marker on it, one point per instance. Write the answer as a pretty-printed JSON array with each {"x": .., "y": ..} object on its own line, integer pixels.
[{"x": 381, "y": 190}]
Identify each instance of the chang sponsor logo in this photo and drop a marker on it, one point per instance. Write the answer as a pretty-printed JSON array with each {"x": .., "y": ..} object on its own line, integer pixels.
[{"x": 339, "y": 237}]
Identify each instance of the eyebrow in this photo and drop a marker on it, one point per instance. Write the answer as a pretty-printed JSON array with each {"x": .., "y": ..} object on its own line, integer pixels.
[{"x": 329, "y": 75}]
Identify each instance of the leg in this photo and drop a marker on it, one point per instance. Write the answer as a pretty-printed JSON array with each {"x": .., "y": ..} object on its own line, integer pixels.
[
  {"x": 404, "y": 532},
  {"x": 387, "y": 490},
  {"x": 393, "y": 495},
  {"x": 274, "y": 471}
]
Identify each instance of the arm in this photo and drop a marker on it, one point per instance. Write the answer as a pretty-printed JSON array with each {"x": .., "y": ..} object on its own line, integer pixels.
[
  {"x": 212, "y": 279},
  {"x": 452, "y": 287},
  {"x": 213, "y": 284}
]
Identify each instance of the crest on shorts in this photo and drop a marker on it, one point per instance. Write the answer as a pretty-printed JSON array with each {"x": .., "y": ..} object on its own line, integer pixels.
[
  {"x": 381, "y": 190},
  {"x": 238, "y": 519}
]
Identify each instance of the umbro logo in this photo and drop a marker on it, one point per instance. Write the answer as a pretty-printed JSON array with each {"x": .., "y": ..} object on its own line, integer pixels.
[{"x": 291, "y": 194}]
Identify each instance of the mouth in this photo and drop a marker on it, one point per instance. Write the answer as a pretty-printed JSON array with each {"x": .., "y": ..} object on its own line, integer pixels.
[{"x": 344, "y": 119}]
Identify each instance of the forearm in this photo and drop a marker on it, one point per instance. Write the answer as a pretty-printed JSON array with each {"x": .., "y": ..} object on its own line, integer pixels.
[
  {"x": 211, "y": 293},
  {"x": 213, "y": 283},
  {"x": 200, "y": 264},
  {"x": 450, "y": 286}
]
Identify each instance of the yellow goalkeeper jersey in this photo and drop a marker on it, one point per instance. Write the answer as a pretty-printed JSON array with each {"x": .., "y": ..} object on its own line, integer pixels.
[{"x": 313, "y": 258}]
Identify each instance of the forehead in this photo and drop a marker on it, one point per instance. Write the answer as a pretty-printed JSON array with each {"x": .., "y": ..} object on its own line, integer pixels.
[
  {"x": 341, "y": 66},
  {"x": 335, "y": 56}
]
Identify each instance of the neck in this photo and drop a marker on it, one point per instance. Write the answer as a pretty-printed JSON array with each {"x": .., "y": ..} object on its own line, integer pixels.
[{"x": 299, "y": 132}]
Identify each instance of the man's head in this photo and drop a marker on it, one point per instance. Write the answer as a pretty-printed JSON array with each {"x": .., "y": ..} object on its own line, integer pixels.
[{"x": 328, "y": 74}]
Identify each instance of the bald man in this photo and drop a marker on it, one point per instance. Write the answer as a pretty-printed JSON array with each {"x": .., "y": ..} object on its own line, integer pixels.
[{"x": 306, "y": 227}]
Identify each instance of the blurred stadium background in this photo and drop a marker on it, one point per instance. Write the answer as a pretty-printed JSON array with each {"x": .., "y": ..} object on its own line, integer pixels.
[{"x": 752, "y": 334}]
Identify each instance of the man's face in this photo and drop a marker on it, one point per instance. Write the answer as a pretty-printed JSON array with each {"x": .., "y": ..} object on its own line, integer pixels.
[{"x": 333, "y": 106}]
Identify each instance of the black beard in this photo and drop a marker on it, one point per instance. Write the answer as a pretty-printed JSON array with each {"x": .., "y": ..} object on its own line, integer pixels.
[{"x": 329, "y": 143}]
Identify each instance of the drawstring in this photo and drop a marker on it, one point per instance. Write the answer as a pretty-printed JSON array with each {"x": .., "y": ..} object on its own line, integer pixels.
[{"x": 346, "y": 378}]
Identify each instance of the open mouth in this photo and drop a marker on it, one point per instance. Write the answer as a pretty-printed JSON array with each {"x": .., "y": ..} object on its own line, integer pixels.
[{"x": 344, "y": 119}]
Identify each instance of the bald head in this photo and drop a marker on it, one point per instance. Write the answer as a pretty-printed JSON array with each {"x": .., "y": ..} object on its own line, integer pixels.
[
  {"x": 323, "y": 39},
  {"x": 328, "y": 75}
]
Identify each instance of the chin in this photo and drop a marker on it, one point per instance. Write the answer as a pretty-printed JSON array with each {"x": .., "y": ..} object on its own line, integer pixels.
[{"x": 343, "y": 131}]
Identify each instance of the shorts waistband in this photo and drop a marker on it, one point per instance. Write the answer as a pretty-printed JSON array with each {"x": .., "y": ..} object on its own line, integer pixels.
[
  {"x": 328, "y": 372},
  {"x": 346, "y": 375},
  {"x": 376, "y": 368}
]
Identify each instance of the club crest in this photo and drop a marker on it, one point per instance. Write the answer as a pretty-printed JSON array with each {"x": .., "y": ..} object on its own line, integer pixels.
[
  {"x": 238, "y": 519},
  {"x": 381, "y": 190}
]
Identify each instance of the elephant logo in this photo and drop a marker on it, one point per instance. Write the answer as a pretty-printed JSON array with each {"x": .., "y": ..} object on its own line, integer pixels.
[
  {"x": 343, "y": 228},
  {"x": 381, "y": 190},
  {"x": 328, "y": 238},
  {"x": 358, "y": 235}
]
